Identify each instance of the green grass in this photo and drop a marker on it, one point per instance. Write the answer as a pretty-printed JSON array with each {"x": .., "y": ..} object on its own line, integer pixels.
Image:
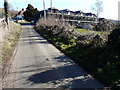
[
  {"x": 83, "y": 31},
  {"x": 11, "y": 41},
  {"x": 103, "y": 34}
]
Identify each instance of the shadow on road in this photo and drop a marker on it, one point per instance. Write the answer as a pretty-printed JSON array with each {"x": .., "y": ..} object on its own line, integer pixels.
[
  {"x": 66, "y": 76},
  {"x": 34, "y": 36},
  {"x": 69, "y": 79},
  {"x": 37, "y": 42},
  {"x": 53, "y": 75}
]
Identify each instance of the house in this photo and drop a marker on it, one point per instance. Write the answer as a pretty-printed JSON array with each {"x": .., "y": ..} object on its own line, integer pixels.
[
  {"x": 65, "y": 14},
  {"x": 19, "y": 17},
  {"x": 35, "y": 17},
  {"x": 53, "y": 10},
  {"x": 78, "y": 13},
  {"x": 21, "y": 12},
  {"x": 90, "y": 16}
]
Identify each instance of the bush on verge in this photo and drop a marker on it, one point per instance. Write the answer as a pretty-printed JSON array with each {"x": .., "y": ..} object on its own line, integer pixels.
[{"x": 91, "y": 52}]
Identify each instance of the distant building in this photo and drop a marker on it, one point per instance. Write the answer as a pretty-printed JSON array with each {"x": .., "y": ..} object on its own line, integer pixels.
[
  {"x": 67, "y": 15},
  {"x": 79, "y": 13},
  {"x": 53, "y": 10},
  {"x": 21, "y": 12},
  {"x": 35, "y": 17},
  {"x": 67, "y": 12},
  {"x": 19, "y": 17}
]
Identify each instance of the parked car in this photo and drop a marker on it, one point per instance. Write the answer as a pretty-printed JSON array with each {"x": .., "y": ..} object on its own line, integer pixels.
[{"x": 32, "y": 21}]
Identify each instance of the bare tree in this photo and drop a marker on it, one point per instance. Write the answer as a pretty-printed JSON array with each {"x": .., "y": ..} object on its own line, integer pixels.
[
  {"x": 98, "y": 7},
  {"x": 12, "y": 11}
]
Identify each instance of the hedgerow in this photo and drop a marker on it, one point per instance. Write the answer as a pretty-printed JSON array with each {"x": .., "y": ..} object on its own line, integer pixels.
[{"x": 98, "y": 57}]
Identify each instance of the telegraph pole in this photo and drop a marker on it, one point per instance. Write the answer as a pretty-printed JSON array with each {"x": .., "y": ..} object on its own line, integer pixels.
[
  {"x": 51, "y": 3},
  {"x": 17, "y": 15},
  {"x": 44, "y": 11},
  {"x": 51, "y": 6},
  {"x": 6, "y": 10}
]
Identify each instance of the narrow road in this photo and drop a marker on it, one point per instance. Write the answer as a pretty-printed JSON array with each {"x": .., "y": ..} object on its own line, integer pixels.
[{"x": 38, "y": 64}]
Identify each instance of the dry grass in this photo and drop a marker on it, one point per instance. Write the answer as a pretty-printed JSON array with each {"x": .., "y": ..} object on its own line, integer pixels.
[{"x": 9, "y": 39}]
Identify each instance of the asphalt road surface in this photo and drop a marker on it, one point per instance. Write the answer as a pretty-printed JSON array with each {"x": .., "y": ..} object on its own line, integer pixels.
[{"x": 38, "y": 64}]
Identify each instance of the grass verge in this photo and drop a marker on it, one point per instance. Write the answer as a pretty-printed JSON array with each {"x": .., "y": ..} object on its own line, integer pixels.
[{"x": 8, "y": 49}]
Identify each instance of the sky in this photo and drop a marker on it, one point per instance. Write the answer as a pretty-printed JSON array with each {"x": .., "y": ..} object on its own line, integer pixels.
[{"x": 110, "y": 7}]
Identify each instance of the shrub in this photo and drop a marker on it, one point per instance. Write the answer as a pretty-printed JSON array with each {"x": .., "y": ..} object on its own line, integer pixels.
[
  {"x": 30, "y": 10},
  {"x": 97, "y": 41},
  {"x": 52, "y": 22},
  {"x": 114, "y": 37},
  {"x": 89, "y": 51},
  {"x": 105, "y": 25}
]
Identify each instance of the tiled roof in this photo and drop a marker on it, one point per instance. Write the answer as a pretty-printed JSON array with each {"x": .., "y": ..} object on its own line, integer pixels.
[
  {"x": 65, "y": 10},
  {"x": 76, "y": 12}
]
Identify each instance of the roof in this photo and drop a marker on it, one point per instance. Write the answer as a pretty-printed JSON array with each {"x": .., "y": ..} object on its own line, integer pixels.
[
  {"x": 65, "y": 10},
  {"x": 53, "y": 8},
  {"x": 76, "y": 12},
  {"x": 89, "y": 14},
  {"x": 36, "y": 16},
  {"x": 38, "y": 13}
]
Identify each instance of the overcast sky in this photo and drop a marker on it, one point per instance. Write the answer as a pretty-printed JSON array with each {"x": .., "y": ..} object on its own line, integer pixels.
[{"x": 110, "y": 6}]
